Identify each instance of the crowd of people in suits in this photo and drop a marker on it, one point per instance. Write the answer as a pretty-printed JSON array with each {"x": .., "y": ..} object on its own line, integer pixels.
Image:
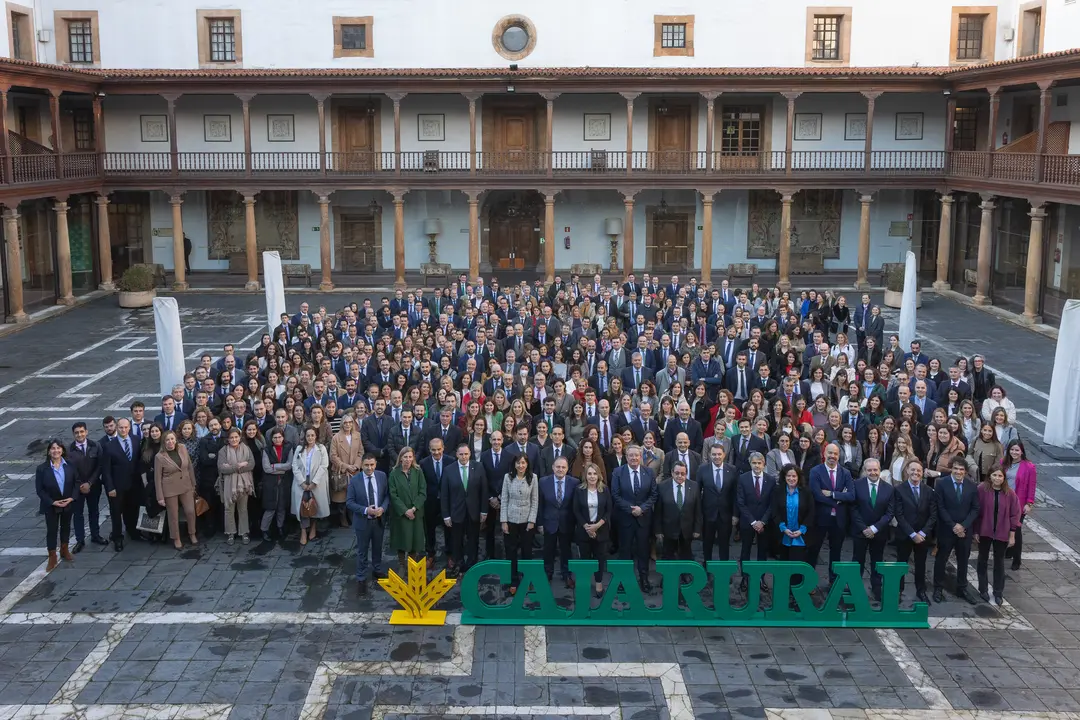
[{"x": 642, "y": 420}]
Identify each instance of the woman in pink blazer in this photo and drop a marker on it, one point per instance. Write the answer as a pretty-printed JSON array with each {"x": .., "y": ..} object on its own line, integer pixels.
[
  {"x": 995, "y": 530},
  {"x": 1020, "y": 474}
]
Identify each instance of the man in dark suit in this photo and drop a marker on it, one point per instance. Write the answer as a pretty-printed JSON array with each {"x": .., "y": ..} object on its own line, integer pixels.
[
  {"x": 678, "y": 514},
  {"x": 915, "y": 510},
  {"x": 739, "y": 380},
  {"x": 744, "y": 445},
  {"x": 680, "y": 452},
  {"x": 684, "y": 424},
  {"x": 861, "y": 318},
  {"x": 85, "y": 458},
  {"x": 557, "y": 449},
  {"x": 444, "y": 429},
  {"x": 954, "y": 383},
  {"x": 860, "y": 424},
  {"x": 870, "y": 521},
  {"x": 368, "y": 499},
  {"x": 637, "y": 373},
  {"x": 556, "y": 517},
  {"x": 464, "y": 499},
  {"x": 644, "y": 423},
  {"x": 633, "y": 489},
  {"x": 717, "y": 481},
  {"x": 375, "y": 434},
  {"x": 958, "y": 506},
  {"x": 403, "y": 434},
  {"x": 433, "y": 467},
  {"x": 753, "y": 497},
  {"x": 833, "y": 488},
  {"x": 170, "y": 417},
  {"x": 120, "y": 474},
  {"x": 496, "y": 462},
  {"x": 522, "y": 446}
]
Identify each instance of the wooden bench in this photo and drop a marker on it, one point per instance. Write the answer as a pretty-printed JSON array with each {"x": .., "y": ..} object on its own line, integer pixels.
[
  {"x": 586, "y": 269},
  {"x": 159, "y": 272},
  {"x": 742, "y": 270},
  {"x": 971, "y": 279},
  {"x": 436, "y": 270},
  {"x": 296, "y": 270}
]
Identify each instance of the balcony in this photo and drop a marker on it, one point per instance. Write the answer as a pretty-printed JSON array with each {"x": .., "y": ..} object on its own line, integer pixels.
[{"x": 586, "y": 166}]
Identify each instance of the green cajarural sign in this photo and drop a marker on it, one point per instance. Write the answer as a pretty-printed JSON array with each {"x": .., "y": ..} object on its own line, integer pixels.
[{"x": 847, "y": 604}]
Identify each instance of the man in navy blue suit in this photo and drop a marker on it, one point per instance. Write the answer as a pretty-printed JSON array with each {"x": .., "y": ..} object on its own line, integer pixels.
[
  {"x": 744, "y": 445},
  {"x": 120, "y": 475},
  {"x": 368, "y": 499},
  {"x": 870, "y": 521},
  {"x": 464, "y": 499},
  {"x": 637, "y": 373},
  {"x": 170, "y": 417},
  {"x": 496, "y": 462},
  {"x": 556, "y": 517},
  {"x": 633, "y": 488},
  {"x": 753, "y": 497},
  {"x": 833, "y": 489},
  {"x": 958, "y": 507}
]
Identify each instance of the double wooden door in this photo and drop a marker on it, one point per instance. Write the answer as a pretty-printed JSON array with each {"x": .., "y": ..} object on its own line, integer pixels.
[
  {"x": 514, "y": 243},
  {"x": 356, "y": 139},
  {"x": 673, "y": 139},
  {"x": 357, "y": 249},
  {"x": 670, "y": 245},
  {"x": 515, "y": 142}
]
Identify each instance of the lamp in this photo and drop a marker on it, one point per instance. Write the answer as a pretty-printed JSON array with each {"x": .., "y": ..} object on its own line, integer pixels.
[
  {"x": 432, "y": 228},
  {"x": 662, "y": 208},
  {"x": 374, "y": 208},
  {"x": 613, "y": 228}
]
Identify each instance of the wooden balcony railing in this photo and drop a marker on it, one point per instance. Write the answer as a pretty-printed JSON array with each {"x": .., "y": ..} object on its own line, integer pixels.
[{"x": 1023, "y": 168}]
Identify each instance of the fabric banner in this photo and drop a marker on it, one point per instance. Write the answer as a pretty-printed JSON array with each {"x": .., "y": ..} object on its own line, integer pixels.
[
  {"x": 170, "y": 344},
  {"x": 907, "y": 307},
  {"x": 1063, "y": 408},
  {"x": 274, "y": 283}
]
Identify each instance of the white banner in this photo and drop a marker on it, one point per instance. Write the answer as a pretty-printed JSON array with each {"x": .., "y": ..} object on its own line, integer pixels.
[
  {"x": 907, "y": 305},
  {"x": 170, "y": 344},
  {"x": 1063, "y": 408},
  {"x": 274, "y": 283}
]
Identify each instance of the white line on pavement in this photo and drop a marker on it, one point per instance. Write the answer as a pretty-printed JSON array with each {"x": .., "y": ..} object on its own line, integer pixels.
[
  {"x": 920, "y": 680},
  {"x": 23, "y": 589},
  {"x": 1053, "y": 540}
]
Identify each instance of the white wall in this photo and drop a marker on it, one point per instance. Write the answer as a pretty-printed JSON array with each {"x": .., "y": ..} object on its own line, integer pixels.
[
  {"x": 1062, "y": 25},
  {"x": 600, "y": 33}
]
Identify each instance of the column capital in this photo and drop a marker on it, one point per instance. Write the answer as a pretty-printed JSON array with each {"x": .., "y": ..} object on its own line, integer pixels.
[
  {"x": 397, "y": 97},
  {"x": 549, "y": 193},
  {"x": 102, "y": 199},
  {"x": 708, "y": 193},
  {"x": 245, "y": 97},
  {"x": 1038, "y": 210},
  {"x": 629, "y": 194},
  {"x": 711, "y": 95},
  {"x": 473, "y": 96},
  {"x": 11, "y": 213},
  {"x": 320, "y": 97},
  {"x": 995, "y": 92},
  {"x": 1045, "y": 85},
  {"x": 61, "y": 206},
  {"x": 249, "y": 197},
  {"x": 550, "y": 96},
  {"x": 55, "y": 93},
  {"x": 324, "y": 197},
  {"x": 947, "y": 198},
  {"x": 176, "y": 197},
  {"x": 988, "y": 204},
  {"x": 871, "y": 95},
  {"x": 398, "y": 194},
  {"x": 866, "y": 196},
  {"x": 630, "y": 96},
  {"x": 792, "y": 95},
  {"x": 4, "y": 87},
  {"x": 786, "y": 196},
  {"x": 171, "y": 98}
]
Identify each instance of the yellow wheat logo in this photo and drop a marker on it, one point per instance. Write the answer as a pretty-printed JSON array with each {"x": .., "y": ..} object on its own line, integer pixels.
[{"x": 417, "y": 596}]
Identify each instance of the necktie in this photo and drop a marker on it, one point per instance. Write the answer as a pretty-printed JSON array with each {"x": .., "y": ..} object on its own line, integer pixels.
[
  {"x": 832, "y": 478},
  {"x": 679, "y": 496},
  {"x": 127, "y": 448},
  {"x": 406, "y": 436},
  {"x": 637, "y": 378},
  {"x": 497, "y": 455},
  {"x": 915, "y": 492},
  {"x": 685, "y": 461},
  {"x": 853, "y": 419},
  {"x": 742, "y": 383},
  {"x": 742, "y": 446},
  {"x": 757, "y": 485},
  {"x": 634, "y": 484},
  {"x": 373, "y": 492},
  {"x": 465, "y": 476},
  {"x": 873, "y": 494},
  {"x": 558, "y": 453},
  {"x": 959, "y": 490},
  {"x": 718, "y": 479},
  {"x": 604, "y": 433},
  {"x": 82, "y": 448},
  {"x": 558, "y": 491}
]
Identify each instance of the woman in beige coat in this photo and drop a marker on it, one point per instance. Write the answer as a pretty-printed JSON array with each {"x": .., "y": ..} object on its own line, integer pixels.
[
  {"x": 235, "y": 484},
  {"x": 346, "y": 450},
  {"x": 174, "y": 482}
]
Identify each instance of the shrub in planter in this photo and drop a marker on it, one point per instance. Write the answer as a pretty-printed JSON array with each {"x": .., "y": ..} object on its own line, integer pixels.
[
  {"x": 894, "y": 285},
  {"x": 137, "y": 287}
]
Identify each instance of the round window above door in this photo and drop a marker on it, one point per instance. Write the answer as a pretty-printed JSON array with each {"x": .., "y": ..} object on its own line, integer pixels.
[{"x": 514, "y": 37}]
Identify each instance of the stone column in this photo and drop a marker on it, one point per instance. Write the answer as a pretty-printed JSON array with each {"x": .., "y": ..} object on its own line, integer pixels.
[
  {"x": 1033, "y": 284},
  {"x": 472, "y": 98},
  {"x": 549, "y": 146},
  {"x": 628, "y": 232},
  {"x": 245, "y": 109},
  {"x": 397, "y": 98},
  {"x": 104, "y": 243},
  {"x": 944, "y": 243},
  {"x": 174, "y": 148},
  {"x": 57, "y": 135},
  {"x": 986, "y": 232},
  {"x": 251, "y": 243},
  {"x": 549, "y": 235},
  {"x": 63, "y": 255},
  {"x": 399, "y": 238},
  {"x": 325, "y": 263},
  {"x": 5, "y": 152},
  {"x": 861, "y": 283},
  {"x": 710, "y": 127},
  {"x": 868, "y": 145},
  {"x": 706, "y": 233},
  {"x": 179, "y": 271},
  {"x": 1044, "y": 124},
  {"x": 320, "y": 108},
  {"x": 788, "y": 142},
  {"x": 991, "y": 142},
  {"x": 474, "y": 233},
  {"x": 15, "y": 309},
  {"x": 629, "y": 97},
  {"x": 784, "y": 259}
]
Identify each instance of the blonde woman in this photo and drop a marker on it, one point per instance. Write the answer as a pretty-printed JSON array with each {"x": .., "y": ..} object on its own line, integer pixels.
[
  {"x": 346, "y": 451},
  {"x": 311, "y": 466},
  {"x": 903, "y": 453},
  {"x": 174, "y": 482},
  {"x": 592, "y": 521},
  {"x": 236, "y": 466},
  {"x": 408, "y": 493}
]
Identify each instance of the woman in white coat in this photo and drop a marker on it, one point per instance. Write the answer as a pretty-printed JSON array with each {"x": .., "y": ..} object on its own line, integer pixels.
[{"x": 311, "y": 472}]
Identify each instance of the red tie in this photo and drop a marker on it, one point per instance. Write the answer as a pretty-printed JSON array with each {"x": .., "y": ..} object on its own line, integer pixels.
[{"x": 832, "y": 478}]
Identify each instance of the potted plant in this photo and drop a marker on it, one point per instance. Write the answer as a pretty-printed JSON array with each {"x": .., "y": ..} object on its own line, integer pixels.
[
  {"x": 894, "y": 285},
  {"x": 137, "y": 287}
]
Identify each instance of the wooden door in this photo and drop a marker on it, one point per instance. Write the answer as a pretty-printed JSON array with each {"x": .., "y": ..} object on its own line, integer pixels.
[
  {"x": 515, "y": 139},
  {"x": 1025, "y": 117},
  {"x": 128, "y": 219},
  {"x": 670, "y": 242},
  {"x": 357, "y": 139},
  {"x": 356, "y": 252},
  {"x": 673, "y": 139},
  {"x": 513, "y": 243}
]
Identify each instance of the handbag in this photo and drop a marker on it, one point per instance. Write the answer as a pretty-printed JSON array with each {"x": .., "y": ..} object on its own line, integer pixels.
[
  {"x": 201, "y": 506},
  {"x": 309, "y": 507},
  {"x": 150, "y": 523}
]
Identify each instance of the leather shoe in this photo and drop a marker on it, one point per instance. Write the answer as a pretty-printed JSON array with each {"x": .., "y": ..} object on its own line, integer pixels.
[
  {"x": 963, "y": 594},
  {"x": 744, "y": 585},
  {"x": 998, "y": 600},
  {"x": 568, "y": 581},
  {"x": 921, "y": 596},
  {"x": 99, "y": 541},
  {"x": 1015, "y": 565},
  {"x": 361, "y": 587},
  {"x": 118, "y": 544},
  {"x": 78, "y": 547},
  {"x": 985, "y": 596},
  {"x": 939, "y": 596}
]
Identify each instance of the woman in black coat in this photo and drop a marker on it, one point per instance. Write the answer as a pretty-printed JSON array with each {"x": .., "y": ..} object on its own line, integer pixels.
[
  {"x": 276, "y": 486},
  {"x": 54, "y": 482},
  {"x": 592, "y": 521}
]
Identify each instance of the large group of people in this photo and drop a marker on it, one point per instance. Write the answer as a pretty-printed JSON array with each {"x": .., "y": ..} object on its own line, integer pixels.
[{"x": 626, "y": 420}]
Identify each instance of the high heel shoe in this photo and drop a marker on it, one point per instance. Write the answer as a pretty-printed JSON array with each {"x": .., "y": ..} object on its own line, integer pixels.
[
  {"x": 178, "y": 545},
  {"x": 194, "y": 540},
  {"x": 303, "y": 536},
  {"x": 314, "y": 532}
]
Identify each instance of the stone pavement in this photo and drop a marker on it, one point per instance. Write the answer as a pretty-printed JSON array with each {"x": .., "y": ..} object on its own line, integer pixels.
[{"x": 278, "y": 631}]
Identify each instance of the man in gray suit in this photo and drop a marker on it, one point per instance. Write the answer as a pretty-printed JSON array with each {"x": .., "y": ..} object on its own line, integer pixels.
[
  {"x": 368, "y": 499},
  {"x": 618, "y": 358},
  {"x": 669, "y": 375}
]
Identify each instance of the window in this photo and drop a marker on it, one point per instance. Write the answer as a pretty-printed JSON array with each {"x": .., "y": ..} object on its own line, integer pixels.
[
  {"x": 80, "y": 42},
  {"x": 673, "y": 35},
  {"x": 220, "y": 38},
  {"x": 353, "y": 37},
  {"x": 77, "y": 37},
  {"x": 20, "y": 32},
  {"x": 740, "y": 130},
  {"x": 84, "y": 129},
  {"x": 514, "y": 37},
  {"x": 826, "y": 37},
  {"x": 1031, "y": 27},
  {"x": 972, "y": 34},
  {"x": 965, "y": 128}
]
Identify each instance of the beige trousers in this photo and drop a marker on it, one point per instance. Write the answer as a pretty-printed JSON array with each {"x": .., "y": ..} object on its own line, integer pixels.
[{"x": 238, "y": 508}]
